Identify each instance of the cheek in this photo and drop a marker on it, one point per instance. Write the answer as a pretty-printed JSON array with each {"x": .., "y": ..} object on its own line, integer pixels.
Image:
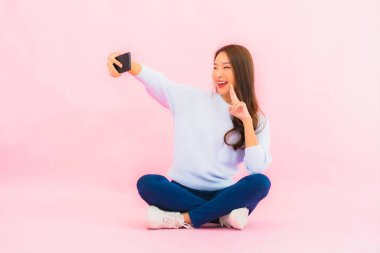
[{"x": 230, "y": 76}]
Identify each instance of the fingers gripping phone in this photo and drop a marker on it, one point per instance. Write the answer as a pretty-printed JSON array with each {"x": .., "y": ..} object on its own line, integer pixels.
[{"x": 125, "y": 60}]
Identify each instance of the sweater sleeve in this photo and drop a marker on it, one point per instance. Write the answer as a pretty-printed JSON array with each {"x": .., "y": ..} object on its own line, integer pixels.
[
  {"x": 161, "y": 88},
  {"x": 257, "y": 158}
]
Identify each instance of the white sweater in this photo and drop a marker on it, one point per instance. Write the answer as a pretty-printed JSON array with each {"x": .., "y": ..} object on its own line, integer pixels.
[{"x": 202, "y": 160}]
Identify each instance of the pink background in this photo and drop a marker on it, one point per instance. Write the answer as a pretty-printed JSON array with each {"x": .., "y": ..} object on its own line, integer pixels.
[{"x": 74, "y": 140}]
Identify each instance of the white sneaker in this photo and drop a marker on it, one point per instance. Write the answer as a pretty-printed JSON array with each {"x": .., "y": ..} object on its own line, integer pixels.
[
  {"x": 158, "y": 218},
  {"x": 238, "y": 218}
]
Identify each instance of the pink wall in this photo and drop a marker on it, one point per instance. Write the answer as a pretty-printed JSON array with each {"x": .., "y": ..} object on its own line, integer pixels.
[
  {"x": 63, "y": 117},
  {"x": 74, "y": 140}
]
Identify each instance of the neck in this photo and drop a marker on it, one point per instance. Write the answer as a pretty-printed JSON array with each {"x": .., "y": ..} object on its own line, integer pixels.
[{"x": 226, "y": 99}]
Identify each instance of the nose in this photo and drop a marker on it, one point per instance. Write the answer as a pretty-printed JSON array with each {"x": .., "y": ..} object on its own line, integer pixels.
[{"x": 219, "y": 73}]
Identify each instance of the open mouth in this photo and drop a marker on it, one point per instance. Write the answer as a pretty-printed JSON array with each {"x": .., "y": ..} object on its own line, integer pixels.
[{"x": 222, "y": 84}]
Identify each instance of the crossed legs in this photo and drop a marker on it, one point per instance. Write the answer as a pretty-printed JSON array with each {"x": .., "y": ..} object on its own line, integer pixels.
[{"x": 157, "y": 190}]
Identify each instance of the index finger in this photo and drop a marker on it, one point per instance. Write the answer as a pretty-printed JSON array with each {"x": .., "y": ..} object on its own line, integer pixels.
[
  {"x": 234, "y": 98},
  {"x": 117, "y": 62}
]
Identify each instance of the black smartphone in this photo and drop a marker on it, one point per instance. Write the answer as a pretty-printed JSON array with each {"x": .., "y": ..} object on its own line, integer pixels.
[{"x": 125, "y": 60}]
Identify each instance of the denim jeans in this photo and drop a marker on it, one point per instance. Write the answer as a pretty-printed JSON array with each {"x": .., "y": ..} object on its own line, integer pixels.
[{"x": 203, "y": 206}]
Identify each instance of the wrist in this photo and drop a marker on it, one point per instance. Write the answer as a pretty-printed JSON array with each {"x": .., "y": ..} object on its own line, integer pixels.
[
  {"x": 135, "y": 68},
  {"x": 247, "y": 121}
]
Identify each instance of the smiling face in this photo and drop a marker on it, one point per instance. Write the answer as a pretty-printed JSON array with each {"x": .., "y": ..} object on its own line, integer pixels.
[{"x": 223, "y": 75}]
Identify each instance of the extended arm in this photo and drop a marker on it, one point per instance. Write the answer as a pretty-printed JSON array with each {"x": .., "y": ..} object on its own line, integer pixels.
[{"x": 135, "y": 68}]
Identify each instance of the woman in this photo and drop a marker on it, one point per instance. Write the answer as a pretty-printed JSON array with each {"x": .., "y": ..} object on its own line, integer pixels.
[{"x": 214, "y": 132}]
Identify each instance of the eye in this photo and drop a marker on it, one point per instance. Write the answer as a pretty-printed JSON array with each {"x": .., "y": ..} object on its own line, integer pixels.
[{"x": 224, "y": 67}]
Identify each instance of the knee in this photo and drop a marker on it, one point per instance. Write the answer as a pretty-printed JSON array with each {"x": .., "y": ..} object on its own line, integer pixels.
[
  {"x": 147, "y": 180},
  {"x": 260, "y": 181}
]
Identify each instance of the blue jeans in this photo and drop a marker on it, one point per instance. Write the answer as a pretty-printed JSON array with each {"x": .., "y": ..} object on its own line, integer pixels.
[{"x": 203, "y": 206}]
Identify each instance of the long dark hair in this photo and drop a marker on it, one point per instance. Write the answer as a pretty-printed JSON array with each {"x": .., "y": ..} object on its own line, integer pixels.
[{"x": 243, "y": 71}]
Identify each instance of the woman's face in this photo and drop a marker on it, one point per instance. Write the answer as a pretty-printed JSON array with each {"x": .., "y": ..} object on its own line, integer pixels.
[{"x": 223, "y": 73}]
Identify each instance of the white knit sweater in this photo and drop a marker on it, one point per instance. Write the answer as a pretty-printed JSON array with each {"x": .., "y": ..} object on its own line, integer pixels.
[{"x": 201, "y": 158}]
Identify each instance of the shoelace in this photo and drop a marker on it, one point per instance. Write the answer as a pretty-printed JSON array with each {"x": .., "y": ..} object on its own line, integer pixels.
[
  {"x": 187, "y": 225},
  {"x": 172, "y": 220},
  {"x": 224, "y": 221}
]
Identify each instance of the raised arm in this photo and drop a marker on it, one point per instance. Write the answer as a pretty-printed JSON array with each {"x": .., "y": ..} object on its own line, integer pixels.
[
  {"x": 164, "y": 90},
  {"x": 258, "y": 157},
  {"x": 135, "y": 68}
]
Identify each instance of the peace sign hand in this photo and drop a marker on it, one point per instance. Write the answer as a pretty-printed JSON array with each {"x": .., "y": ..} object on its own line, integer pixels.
[{"x": 238, "y": 108}]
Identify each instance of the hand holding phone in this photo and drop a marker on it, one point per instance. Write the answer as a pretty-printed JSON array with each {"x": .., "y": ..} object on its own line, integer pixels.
[{"x": 125, "y": 60}]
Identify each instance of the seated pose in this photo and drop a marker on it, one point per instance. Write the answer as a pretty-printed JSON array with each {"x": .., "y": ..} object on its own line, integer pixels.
[{"x": 214, "y": 131}]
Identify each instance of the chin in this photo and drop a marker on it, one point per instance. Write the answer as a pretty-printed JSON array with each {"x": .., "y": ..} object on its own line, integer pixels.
[{"x": 223, "y": 90}]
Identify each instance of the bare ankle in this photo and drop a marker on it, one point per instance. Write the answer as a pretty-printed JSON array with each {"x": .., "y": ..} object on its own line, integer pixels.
[{"x": 187, "y": 218}]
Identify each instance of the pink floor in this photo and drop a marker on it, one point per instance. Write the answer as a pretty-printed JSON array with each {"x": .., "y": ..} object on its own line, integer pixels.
[
  {"x": 62, "y": 116},
  {"x": 55, "y": 216}
]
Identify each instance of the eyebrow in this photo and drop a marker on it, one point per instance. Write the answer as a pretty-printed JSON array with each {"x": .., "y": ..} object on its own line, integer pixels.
[{"x": 227, "y": 62}]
